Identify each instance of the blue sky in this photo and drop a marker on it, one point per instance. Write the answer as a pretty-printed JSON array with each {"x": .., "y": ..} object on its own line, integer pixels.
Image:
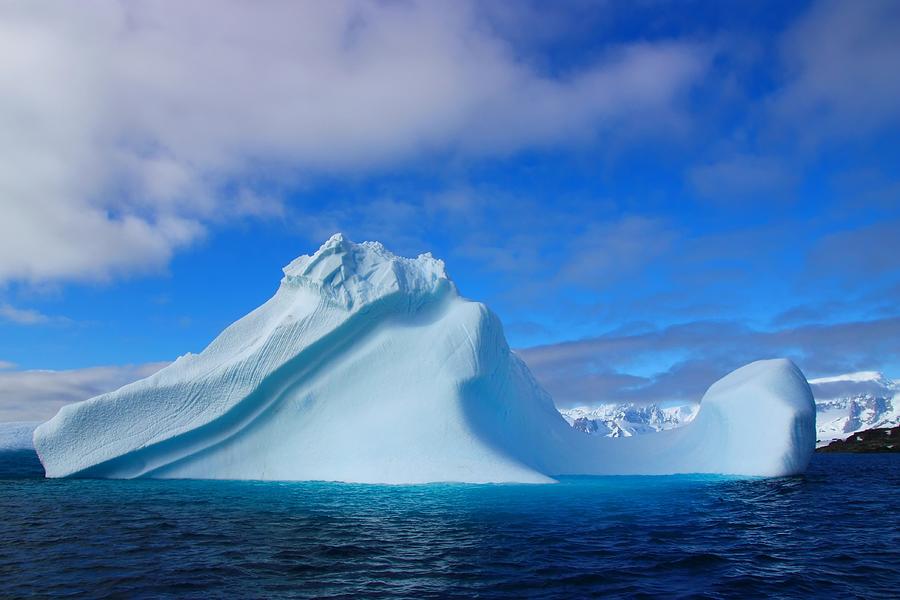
[{"x": 649, "y": 194}]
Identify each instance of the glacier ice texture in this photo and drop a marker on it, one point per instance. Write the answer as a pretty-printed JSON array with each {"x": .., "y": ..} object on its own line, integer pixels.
[{"x": 369, "y": 367}]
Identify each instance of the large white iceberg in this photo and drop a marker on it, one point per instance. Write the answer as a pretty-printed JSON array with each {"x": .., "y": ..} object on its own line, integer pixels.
[{"x": 368, "y": 367}]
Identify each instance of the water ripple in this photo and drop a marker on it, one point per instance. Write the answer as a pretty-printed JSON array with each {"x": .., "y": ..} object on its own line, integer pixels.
[{"x": 833, "y": 532}]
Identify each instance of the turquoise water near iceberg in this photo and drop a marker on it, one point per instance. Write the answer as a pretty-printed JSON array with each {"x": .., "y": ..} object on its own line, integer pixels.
[{"x": 834, "y": 532}]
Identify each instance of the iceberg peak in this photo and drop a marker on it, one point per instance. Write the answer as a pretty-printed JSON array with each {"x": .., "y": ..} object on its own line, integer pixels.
[{"x": 353, "y": 274}]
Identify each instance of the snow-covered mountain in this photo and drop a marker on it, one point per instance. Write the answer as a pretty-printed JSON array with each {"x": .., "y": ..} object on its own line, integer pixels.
[
  {"x": 625, "y": 420},
  {"x": 369, "y": 367},
  {"x": 845, "y": 404}
]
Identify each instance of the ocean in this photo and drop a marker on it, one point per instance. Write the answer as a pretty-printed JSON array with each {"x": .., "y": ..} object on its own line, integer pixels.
[{"x": 834, "y": 532}]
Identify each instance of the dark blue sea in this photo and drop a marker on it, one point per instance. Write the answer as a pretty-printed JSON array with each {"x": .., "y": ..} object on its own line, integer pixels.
[{"x": 833, "y": 533}]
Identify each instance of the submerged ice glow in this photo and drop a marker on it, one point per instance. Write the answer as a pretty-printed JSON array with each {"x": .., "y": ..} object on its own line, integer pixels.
[{"x": 369, "y": 367}]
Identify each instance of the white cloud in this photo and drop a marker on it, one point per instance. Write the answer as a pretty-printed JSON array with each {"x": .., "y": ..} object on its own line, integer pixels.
[
  {"x": 132, "y": 128},
  {"x": 37, "y": 395},
  {"x": 22, "y": 316},
  {"x": 841, "y": 61}
]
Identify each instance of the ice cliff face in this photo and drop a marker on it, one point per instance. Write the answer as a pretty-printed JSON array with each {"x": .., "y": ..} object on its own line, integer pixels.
[{"x": 369, "y": 367}]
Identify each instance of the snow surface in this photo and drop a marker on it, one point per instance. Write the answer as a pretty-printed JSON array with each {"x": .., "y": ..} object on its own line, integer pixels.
[{"x": 368, "y": 367}]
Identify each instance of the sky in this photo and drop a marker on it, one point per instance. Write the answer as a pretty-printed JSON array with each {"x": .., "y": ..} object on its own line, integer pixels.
[{"x": 648, "y": 193}]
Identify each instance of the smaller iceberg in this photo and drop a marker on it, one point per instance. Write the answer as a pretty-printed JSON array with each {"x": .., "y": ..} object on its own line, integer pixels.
[
  {"x": 368, "y": 367},
  {"x": 758, "y": 420}
]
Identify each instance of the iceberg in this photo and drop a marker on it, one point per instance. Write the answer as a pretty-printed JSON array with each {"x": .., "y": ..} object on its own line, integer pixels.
[{"x": 369, "y": 367}]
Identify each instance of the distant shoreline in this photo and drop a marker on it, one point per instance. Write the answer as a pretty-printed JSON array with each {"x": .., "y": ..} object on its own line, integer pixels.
[{"x": 868, "y": 441}]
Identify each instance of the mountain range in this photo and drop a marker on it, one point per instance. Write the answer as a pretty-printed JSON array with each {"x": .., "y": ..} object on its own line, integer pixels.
[{"x": 845, "y": 404}]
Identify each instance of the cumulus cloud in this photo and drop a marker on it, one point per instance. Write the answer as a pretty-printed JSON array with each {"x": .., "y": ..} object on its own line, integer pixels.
[
  {"x": 132, "y": 128},
  {"x": 37, "y": 395}
]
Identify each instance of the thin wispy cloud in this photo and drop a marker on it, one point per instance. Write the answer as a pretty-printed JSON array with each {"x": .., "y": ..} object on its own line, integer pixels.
[
  {"x": 614, "y": 367},
  {"x": 22, "y": 316},
  {"x": 36, "y": 395}
]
